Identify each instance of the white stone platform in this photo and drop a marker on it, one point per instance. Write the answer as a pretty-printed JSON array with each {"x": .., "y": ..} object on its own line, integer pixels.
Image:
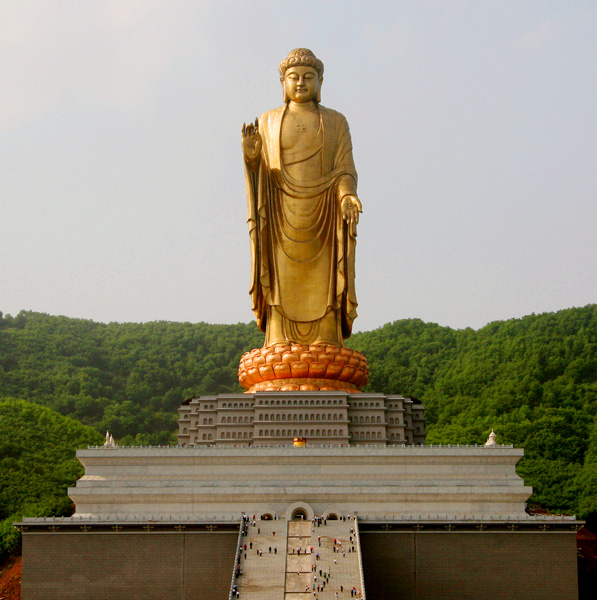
[{"x": 381, "y": 483}]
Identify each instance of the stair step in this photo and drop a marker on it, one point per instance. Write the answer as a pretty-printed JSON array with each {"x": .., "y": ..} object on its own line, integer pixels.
[{"x": 288, "y": 575}]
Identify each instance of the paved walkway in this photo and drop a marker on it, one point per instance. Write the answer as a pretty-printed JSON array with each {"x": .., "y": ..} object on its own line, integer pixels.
[
  {"x": 263, "y": 576},
  {"x": 305, "y": 561}
]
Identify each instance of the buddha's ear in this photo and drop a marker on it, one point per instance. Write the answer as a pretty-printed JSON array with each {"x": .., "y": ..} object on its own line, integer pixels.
[
  {"x": 318, "y": 95},
  {"x": 284, "y": 90}
]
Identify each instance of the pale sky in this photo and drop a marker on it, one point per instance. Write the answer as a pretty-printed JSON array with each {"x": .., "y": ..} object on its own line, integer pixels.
[{"x": 121, "y": 178}]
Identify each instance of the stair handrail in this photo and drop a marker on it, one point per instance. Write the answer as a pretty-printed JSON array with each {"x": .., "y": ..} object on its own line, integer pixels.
[
  {"x": 236, "y": 555},
  {"x": 286, "y": 555},
  {"x": 361, "y": 574}
]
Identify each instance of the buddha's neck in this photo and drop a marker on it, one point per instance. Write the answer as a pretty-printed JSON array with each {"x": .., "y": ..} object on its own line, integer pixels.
[{"x": 301, "y": 107}]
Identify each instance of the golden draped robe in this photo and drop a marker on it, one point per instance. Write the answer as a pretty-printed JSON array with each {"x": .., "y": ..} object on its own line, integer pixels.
[{"x": 302, "y": 251}]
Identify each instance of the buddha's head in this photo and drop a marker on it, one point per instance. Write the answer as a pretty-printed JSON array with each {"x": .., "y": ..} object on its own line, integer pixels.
[{"x": 301, "y": 74}]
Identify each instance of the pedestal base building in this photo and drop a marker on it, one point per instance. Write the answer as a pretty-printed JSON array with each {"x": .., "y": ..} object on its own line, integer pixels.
[
  {"x": 274, "y": 418},
  {"x": 237, "y": 507}
]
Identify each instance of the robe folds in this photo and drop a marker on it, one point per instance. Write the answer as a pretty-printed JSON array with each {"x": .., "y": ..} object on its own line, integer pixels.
[{"x": 302, "y": 251}]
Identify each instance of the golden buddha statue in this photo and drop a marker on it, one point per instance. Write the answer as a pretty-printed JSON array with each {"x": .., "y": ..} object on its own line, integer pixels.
[{"x": 302, "y": 214}]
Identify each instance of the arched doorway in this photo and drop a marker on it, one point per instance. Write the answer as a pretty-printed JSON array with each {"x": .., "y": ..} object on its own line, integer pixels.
[
  {"x": 267, "y": 517},
  {"x": 332, "y": 517},
  {"x": 289, "y": 513},
  {"x": 299, "y": 514}
]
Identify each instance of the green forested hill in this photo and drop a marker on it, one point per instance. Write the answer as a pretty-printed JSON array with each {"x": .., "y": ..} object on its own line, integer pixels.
[
  {"x": 37, "y": 464},
  {"x": 534, "y": 380},
  {"x": 129, "y": 378}
]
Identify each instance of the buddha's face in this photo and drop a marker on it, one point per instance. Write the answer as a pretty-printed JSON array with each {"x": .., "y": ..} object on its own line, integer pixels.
[{"x": 301, "y": 84}]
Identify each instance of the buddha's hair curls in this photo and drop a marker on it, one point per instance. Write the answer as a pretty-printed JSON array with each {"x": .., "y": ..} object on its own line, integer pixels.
[{"x": 301, "y": 57}]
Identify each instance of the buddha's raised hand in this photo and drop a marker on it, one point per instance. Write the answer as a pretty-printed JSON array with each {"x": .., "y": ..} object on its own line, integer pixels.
[{"x": 251, "y": 140}]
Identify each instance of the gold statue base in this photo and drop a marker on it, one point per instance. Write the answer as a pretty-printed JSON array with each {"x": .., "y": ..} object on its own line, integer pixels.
[{"x": 298, "y": 367}]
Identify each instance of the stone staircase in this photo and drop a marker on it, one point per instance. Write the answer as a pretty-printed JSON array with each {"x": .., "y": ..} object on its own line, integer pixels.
[
  {"x": 341, "y": 567},
  {"x": 295, "y": 572},
  {"x": 263, "y": 572}
]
